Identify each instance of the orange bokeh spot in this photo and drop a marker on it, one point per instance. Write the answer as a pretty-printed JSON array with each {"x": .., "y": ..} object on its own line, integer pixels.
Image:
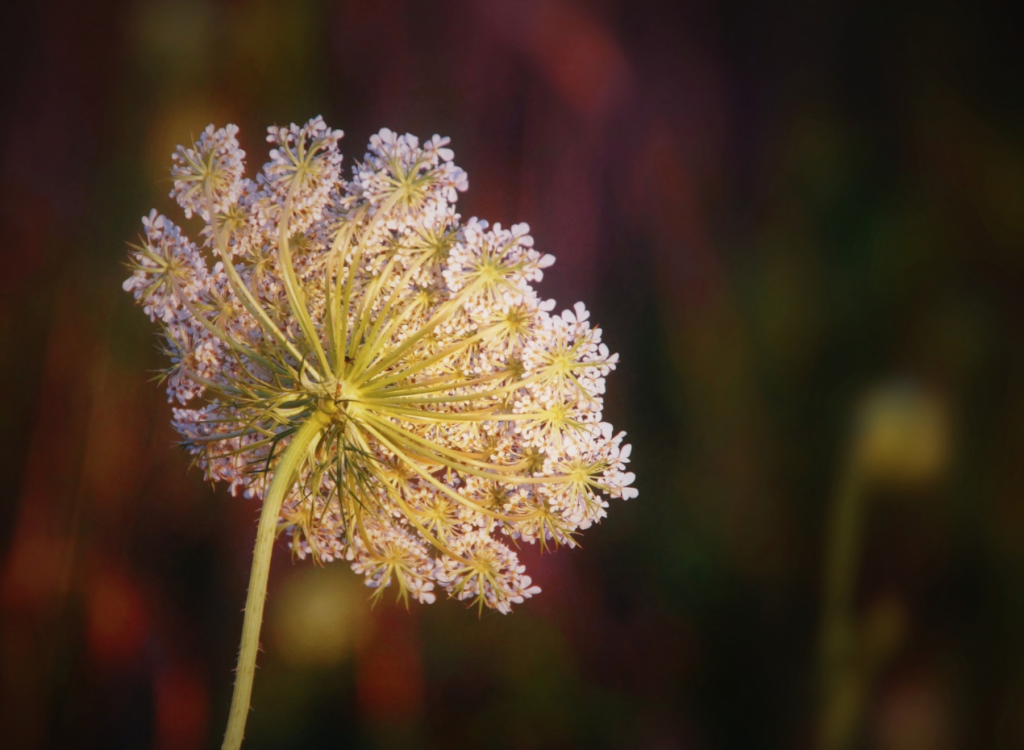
[
  {"x": 390, "y": 671},
  {"x": 116, "y": 619},
  {"x": 182, "y": 717}
]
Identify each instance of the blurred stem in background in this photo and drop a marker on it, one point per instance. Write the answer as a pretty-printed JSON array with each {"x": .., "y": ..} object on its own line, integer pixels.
[
  {"x": 900, "y": 438},
  {"x": 843, "y": 680}
]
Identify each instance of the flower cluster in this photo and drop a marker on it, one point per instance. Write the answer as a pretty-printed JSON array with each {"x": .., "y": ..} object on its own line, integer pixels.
[{"x": 457, "y": 413}]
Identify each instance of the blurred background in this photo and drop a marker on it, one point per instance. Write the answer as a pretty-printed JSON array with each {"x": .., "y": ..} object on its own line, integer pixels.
[{"x": 800, "y": 224}]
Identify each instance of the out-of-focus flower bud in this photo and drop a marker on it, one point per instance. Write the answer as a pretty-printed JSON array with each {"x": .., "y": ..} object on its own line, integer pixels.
[
  {"x": 902, "y": 435},
  {"x": 317, "y": 619}
]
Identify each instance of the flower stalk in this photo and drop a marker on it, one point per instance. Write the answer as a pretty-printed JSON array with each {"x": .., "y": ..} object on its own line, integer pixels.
[{"x": 284, "y": 478}]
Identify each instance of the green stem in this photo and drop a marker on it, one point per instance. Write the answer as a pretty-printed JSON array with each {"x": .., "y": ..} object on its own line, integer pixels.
[
  {"x": 843, "y": 679},
  {"x": 285, "y": 475}
]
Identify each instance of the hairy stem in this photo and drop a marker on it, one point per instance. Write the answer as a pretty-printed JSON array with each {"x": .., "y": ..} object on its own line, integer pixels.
[{"x": 284, "y": 477}]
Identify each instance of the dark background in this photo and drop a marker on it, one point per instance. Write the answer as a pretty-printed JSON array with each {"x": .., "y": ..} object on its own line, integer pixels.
[{"x": 775, "y": 210}]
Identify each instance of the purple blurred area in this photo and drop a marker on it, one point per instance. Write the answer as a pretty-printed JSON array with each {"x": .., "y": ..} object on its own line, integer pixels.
[{"x": 784, "y": 216}]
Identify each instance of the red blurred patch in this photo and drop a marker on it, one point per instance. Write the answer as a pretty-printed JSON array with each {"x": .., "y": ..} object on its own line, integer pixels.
[
  {"x": 182, "y": 718},
  {"x": 390, "y": 670},
  {"x": 31, "y": 574},
  {"x": 115, "y": 619},
  {"x": 578, "y": 53},
  {"x": 581, "y": 56}
]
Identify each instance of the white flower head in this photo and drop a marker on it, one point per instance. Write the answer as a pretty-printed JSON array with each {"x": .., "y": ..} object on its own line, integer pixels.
[
  {"x": 208, "y": 175},
  {"x": 455, "y": 412}
]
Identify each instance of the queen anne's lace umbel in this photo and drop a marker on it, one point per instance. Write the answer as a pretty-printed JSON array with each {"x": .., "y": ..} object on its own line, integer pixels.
[{"x": 460, "y": 415}]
